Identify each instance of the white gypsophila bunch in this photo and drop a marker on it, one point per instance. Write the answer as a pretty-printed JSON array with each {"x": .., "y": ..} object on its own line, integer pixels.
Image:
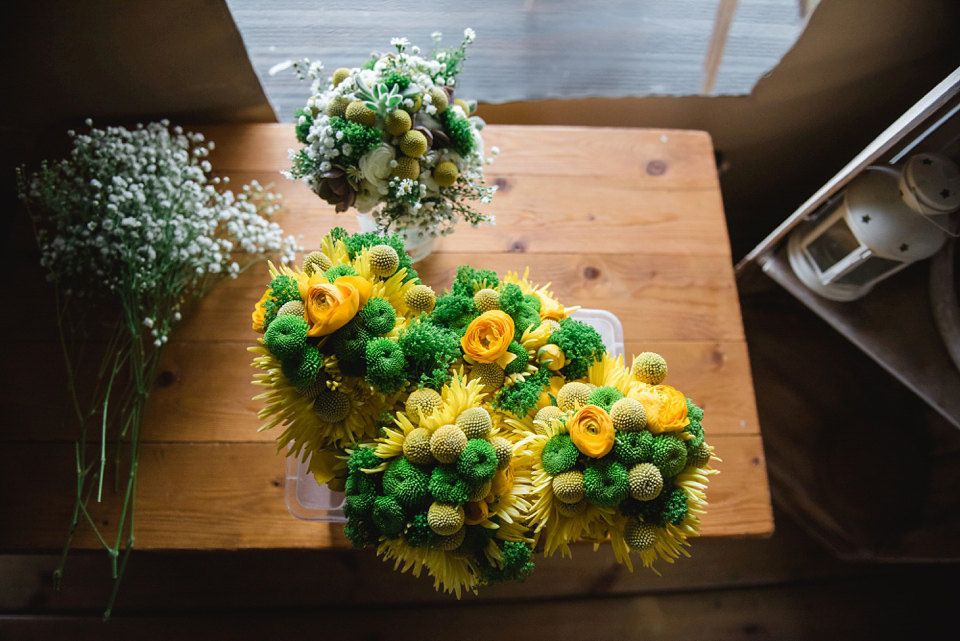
[
  {"x": 389, "y": 139},
  {"x": 133, "y": 214}
]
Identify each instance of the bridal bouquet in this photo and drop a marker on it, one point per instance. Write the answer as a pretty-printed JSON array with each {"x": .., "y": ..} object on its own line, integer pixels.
[
  {"x": 391, "y": 138},
  {"x": 471, "y": 428},
  {"x": 130, "y": 230}
]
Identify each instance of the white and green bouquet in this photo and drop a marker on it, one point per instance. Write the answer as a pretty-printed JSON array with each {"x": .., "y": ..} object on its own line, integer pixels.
[
  {"x": 130, "y": 229},
  {"x": 390, "y": 138}
]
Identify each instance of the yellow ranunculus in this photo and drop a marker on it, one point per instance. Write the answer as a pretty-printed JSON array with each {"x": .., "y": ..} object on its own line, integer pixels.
[
  {"x": 475, "y": 512},
  {"x": 330, "y": 306},
  {"x": 259, "y": 313},
  {"x": 363, "y": 286},
  {"x": 666, "y": 408},
  {"x": 591, "y": 430},
  {"x": 551, "y": 356},
  {"x": 488, "y": 337}
]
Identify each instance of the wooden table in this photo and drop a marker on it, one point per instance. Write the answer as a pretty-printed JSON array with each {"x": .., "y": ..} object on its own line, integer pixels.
[{"x": 627, "y": 220}]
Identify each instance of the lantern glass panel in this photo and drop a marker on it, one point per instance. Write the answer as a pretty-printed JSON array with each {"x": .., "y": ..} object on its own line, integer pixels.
[
  {"x": 832, "y": 245},
  {"x": 868, "y": 271}
]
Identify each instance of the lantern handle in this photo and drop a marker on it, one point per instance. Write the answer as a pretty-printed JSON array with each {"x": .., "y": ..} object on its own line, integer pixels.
[{"x": 928, "y": 216}]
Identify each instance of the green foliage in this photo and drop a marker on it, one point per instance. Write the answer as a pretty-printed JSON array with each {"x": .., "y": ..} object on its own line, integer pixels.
[
  {"x": 533, "y": 301},
  {"x": 283, "y": 289},
  {"x": 515, "y": 564},
  {"x": 604, "y": 397},
  {"x": 477, "y": 463},
  {"x": 459, "y": 131},
  {"x": 304, "y": 165},
  {"x": 339, "y": 233},
  {"x": 419, "y": 532},
  {"x": 360, "y": 138},
  {"x": 385, "y": 365},
  {"x": 606, "y": 483},
  {"x": 446, "y": 486},
  {"x": 631, "y": 448},
  {"x": 524, "y": 314},
  {"x": 378, "y": 316},
  {"x": 349, "y": 343},
  {"x": 675, "y": 508},
  {"x": 302, "y": 128},
  {"x": 362, "y": 458},
  {"x": 357, "y": 242},
  {"x": 430, "y": 351},
  {"x": 559, "y": 454},
  {"x": 581, "y": 344},
  {"x": 286, "y": 336},
  {"x": 695, "y": 414},
  {"x": 469, "y": 281},
  {"x": 361, "y": 532},
  {"x": 396, "y": 79},
  {"x": 669, "y": 507},
  {"x": 520, "y": 398},
  {"x": 407, "y": 483},
  {"x": 454, "y": 311}
]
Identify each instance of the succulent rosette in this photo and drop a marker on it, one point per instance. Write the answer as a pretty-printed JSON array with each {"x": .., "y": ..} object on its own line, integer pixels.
[
  {"x": 331, "y": 356},
  {"x": 441, "y": 490},
  {"x": 617, "y": 455},
  {"x": 393, "y": 139}
]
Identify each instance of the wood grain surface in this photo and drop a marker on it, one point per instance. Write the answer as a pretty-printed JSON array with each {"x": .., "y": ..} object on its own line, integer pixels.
[{"x": 625, "y": 220}]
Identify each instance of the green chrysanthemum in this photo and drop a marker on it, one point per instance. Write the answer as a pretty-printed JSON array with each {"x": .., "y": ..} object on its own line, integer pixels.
[
  {"x": 385, "y": 363},
  {"x": 388, "y": 515},
  {"x": 407, "y": 484},
  {"x": 519, "y": 363},
  {"x": 302, "y": 369},
  {"x": 559, "y": 454},
  {"x": 337, "y": 271},
  {"x": 669, "y": 454},
  {"x": 446, "y": 486},
  {"x": 378, "y": 316},
  {"x": 478, "y": 462},
  {"x": 631, "y": 448},
  {"x": 606, "y": 483},
  {"x": 419, "y": 532},
  {"x": 286, "y": 337},
  {"x": 604, "y": 397}
]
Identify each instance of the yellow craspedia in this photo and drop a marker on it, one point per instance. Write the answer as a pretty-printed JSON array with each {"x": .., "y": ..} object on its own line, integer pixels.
[
  {"x": 420, "y": 298},
  {"x": 446, "y": 173},
  {"x": 340, "y": 75},
  {"x": 490, "y": 375},
  {"x": 475, "y": 422},
  {"x": 397, "y": 122},
  {"x": 332, "y": 406},
  {"x": 451, "y": 542},
  {"x": 700, "y": 456},
  {"x": 479, "y": 492},
  {"x": 639, "y": 536},
  {"x": 407, "y": 168},
  {"x": 572, "y": 396},
  {"x": 568, "y": 486},
  {"x": 315, "y": 262},
  {"x": 416, "y": 447},
  {"x": 413, "y": 144},
  {"x": 645, "y": 481},
  {"x": 439, "y": 99},
  {"x": 650, "y": 368},
  {"x": 422, "y": 403},
  {"x": 359, "y": 112},
  {"x": 504, "y": 451},
  {"x": 571, "y": 509},
  {"x": 486, "y": 299},
  {"x": 548, "y": 413},
  {"x": 338, "y": 106},
  {"x": 383, "y": 260},
  {"x": 628, "y": 415},
  {"x": 291, "y": 308},
  {"x": 445, "y": 519},
  {"x": 447, "y": 443}
]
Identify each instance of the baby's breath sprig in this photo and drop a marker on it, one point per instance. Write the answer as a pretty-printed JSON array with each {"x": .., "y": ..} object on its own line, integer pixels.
[{"x": 132, "y": 226}]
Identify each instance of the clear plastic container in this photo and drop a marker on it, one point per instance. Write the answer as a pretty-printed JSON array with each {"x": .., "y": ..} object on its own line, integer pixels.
[{"x": 311, "y": 502}]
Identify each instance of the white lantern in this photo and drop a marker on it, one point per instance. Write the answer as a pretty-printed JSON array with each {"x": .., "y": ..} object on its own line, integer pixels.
[{"x": 883, "y": 221}]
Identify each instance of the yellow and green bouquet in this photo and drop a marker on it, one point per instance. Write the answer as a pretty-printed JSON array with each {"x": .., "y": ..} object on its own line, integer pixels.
[{"x": 469, "y": 430}]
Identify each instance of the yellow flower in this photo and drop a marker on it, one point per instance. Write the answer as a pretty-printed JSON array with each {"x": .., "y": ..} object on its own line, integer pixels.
[
  {"x": 488, "y": 338},
  {"x": 550, "y": 307},
  {"x": 591, "y": 430},
  {"x": 666, "y": 408},
  {"x": 475, "y": 512},
  {"x": 259, "y": 313},
  {"x": 330, "y": 306},
  {"x": 322, "y": 464},
  {"x": 551, "y": 356},
  {"x": 502, "y": 482}
]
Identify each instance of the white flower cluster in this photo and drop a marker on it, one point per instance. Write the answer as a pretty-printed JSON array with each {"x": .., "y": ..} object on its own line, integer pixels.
[
  {"x": 355, "y": 164},
  {"x": 132, "y": 214}
]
